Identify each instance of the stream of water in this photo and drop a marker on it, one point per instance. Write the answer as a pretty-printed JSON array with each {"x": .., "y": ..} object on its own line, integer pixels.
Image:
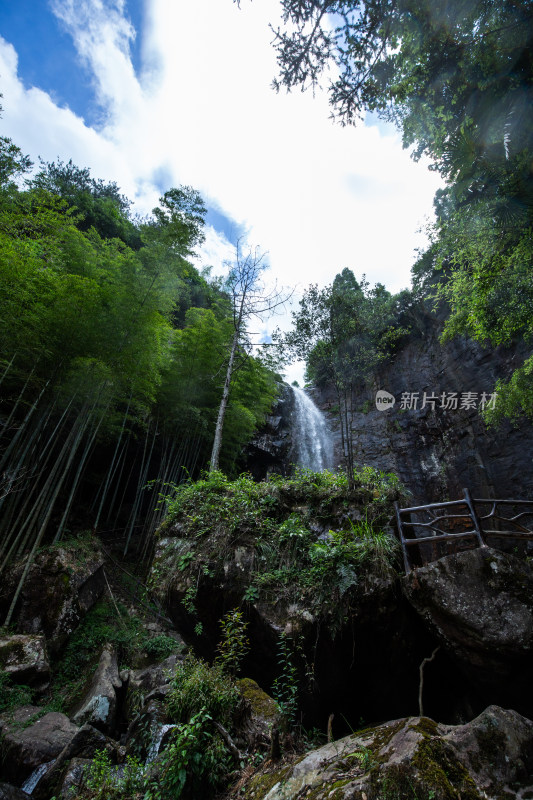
[
  {"x": 30, "y": 783},
  {"x": 313, "y": 446},
  {"x": 157, "y": 739}
]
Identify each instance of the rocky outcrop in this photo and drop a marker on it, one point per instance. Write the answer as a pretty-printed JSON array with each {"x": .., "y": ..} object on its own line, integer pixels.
[
  {"x": 270, "y": 449},
  {"x": 63, "y": 583},
  {"x": 83, "y": 745},
  {"x": 258, "y": 718},
  {"x": 145, "y": 685},
  {"x": 492, "y": 756},
  {"x": 99, "y": 706},
  {"x": 436, "y": 452},
  {"x": 26, "y": 744},
  {"x": 25, "y": 660},
  {"x": 479, "y": 606},
  {"x": 74, "y": 777},
  {"x": 374, "y": 641}
]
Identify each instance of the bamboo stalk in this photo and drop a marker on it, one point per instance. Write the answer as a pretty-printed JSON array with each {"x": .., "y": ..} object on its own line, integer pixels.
[
  {"x": 142, "y": 481},
  {"x": 44, "y": 524},
  {"x": 121, "y": 462},
  {"x": 22, "y": 428},
  {"x": 7, "y": 368},
  {"x": 111, "y": 466},
  {"x": 81, "y": 465}
]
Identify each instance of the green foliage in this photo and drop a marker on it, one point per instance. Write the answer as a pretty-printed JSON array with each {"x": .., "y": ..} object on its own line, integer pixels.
[
  {"x": 234, "y": 643},
  {"x": 458, "y": 80},
  {"x": 277, "y": 518},
  {"x": 196, "y": 760},
  {"x": 194, "y": 763},
  {"x": 196, "y": 686},
  {"x": 285, "y": 687},
  {"x": 105, "y": 781},
  {"x": 100, "y": 625},
  {"x": 159, "y": 647},
  {"x": 12, "y": 694},
  {"x": 344, "y": 330},
  {"x": 107, "y": 329},
  {"x": 489, "y": 292}
]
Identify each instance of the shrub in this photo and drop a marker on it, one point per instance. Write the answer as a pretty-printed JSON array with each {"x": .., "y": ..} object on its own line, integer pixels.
[
  {"x": 234, "y": 644},
  {"x": 198, "y": 687}
]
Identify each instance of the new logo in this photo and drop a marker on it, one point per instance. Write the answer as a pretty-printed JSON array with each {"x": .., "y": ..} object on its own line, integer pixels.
[{"x": 384, "y": 400}]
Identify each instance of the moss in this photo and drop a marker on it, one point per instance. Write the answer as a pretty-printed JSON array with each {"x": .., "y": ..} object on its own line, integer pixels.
[
  {"x": 331, "y": 791},
  {"x": 12, "y": 652},
  {"x": 262, "y": 704},
  {"x": 394, "y": 784},
  {"x": 439, "y": 769},
  {"x": 379, "y": 738},
  {"x": 491, "y": 741},
  {"x": 426, "y": 726},
  {"x": 262, "y": 783}
]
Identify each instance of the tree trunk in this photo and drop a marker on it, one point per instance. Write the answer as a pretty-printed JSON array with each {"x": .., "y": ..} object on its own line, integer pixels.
[{"x": 215, "y": 453}]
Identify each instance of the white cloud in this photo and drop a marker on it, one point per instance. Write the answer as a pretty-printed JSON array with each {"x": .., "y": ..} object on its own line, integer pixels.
[{"x": 317, "y": 196}]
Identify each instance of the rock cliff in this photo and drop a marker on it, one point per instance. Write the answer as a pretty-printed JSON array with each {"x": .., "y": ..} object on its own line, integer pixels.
[{"x": 437, "y": 451}]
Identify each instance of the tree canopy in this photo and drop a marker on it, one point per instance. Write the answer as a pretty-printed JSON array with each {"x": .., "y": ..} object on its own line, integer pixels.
[
  {"x": 111, "y": 343},
  {"x": 457, "y": 78}
]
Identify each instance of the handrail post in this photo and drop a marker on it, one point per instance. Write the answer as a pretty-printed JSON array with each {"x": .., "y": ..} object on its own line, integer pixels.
[
  {"x": 406, "y": 563},
  {"x": 475, "y": 521}
]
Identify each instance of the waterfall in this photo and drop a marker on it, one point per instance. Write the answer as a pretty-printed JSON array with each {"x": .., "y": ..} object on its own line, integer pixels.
[
  {"x": 30, "y": 783},
  {"x": 313, "y": 447},
  {"x": 157, "y": 739}
]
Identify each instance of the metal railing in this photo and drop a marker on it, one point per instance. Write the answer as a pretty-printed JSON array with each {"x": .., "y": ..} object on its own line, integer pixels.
[{"x": 438, "y": 529}]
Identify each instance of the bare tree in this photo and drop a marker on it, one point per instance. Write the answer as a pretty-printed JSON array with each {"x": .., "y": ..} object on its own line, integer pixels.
[{"x": 250, "y": 298}]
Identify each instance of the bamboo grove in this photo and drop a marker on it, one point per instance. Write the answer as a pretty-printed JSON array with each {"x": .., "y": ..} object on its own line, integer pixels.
[{"x": 112, "y": 357}]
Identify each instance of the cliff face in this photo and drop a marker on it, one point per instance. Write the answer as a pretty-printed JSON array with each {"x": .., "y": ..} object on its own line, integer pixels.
[
  {"x": 437, "y": 451},
  {"x": 270, "y": 449}
]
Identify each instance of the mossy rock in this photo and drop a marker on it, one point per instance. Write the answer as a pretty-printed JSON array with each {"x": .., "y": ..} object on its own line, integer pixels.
[
  {"x": 409, "y": 759},
  {"x": 262, "y": 705}
]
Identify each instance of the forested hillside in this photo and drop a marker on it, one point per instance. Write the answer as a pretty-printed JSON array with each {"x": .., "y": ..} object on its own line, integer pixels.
[
  {"x": 113, "y": 350},
  {"x": 136, "y": 655}
]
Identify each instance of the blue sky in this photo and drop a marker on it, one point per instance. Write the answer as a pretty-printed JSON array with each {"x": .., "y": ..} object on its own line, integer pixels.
[{"x": 156, "y": 93}]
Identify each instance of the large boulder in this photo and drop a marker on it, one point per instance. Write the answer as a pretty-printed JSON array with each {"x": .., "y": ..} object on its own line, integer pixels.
[
  {"x": 27, "y": 744},
  {"x": 83, "y": 745},
  {"x": 489, "y": 757},
  {"x": 25, "y": 660},
  {"x": 147, "y": 688},
  {"x": 370, "y": 637},
  {"x": 74, "y": 777},
  {"x": 259, "y": 716},
  {"x": 274, "y": 551},
  {"x": 478, "y": 604},
  {"x": 63, "y": 583},
  {"x": 99, "y": 706}
]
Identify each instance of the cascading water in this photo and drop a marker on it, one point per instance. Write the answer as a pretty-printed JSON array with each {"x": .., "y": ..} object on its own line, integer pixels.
[
  {"x": 313, "y": 446},
  {"x": 157, "y": 739},
  {"x": 29, "y": 785}
]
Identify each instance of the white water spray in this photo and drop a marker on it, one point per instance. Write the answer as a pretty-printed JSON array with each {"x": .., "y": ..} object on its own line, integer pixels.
[
  {"x": 157, "y": 739},
  {"x": 313, "y": 446},
  {"x": 30, "y": 783}
]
